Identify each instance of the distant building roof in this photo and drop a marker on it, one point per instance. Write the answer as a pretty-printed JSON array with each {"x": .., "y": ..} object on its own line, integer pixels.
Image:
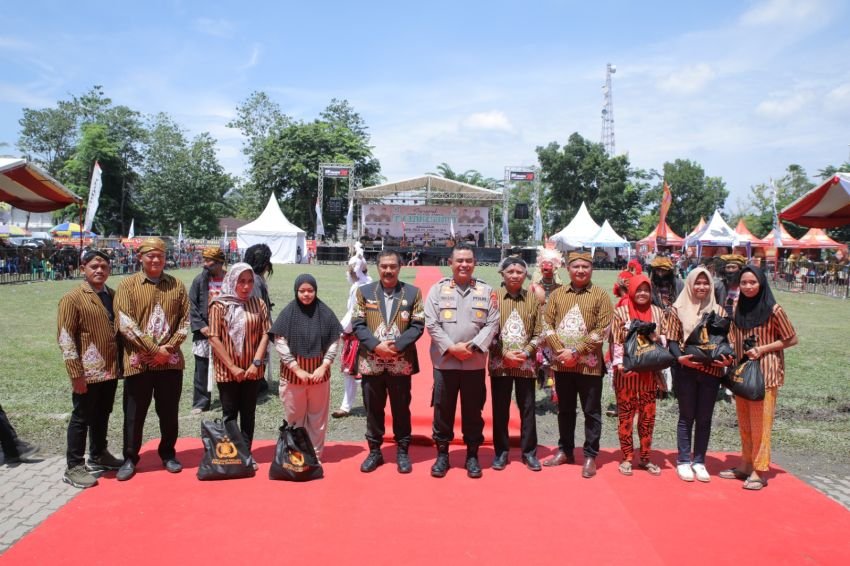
[{"x": 231, "y": 224}]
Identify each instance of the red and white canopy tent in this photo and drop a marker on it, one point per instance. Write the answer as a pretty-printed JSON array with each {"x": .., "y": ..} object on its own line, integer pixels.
[
  {"x": 817, "y": 239},
  {"x": 744, "y": 234},
  {"x": 826, "y": 206},
  {"x": 26, "y": 186},
  {"x": 699, "y": 227}
]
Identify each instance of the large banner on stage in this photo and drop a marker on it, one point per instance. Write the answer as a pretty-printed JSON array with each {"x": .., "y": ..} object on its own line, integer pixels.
[{"x": 423, "y": 222}]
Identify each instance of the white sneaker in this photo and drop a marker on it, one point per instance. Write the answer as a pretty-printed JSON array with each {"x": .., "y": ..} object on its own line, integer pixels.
[
  {"x": 701, "y": 473},
  {"x": 685, "y": 472}
]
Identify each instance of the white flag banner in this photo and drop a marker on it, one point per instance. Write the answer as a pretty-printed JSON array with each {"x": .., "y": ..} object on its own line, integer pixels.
[
  {"x": 320, "y": 226},
  {"x": 777, "y": 227},
  {"x": 94, "y": 196},
  {"x": 506, "y": 237},
  {"x": 132, "y": 232},
  {"x": 452, "y": 228},
  {"x": 538, "y": 225},
  {"x": 349, "y": 219},
  {"x": 180, "y": 233}
]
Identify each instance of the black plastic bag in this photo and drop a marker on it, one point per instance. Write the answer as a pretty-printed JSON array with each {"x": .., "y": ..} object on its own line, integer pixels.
[
  {"x": 641, "y": 353},
  {"x": 226, "y": 455},
  {"x": 746, "y": 380},
  {"x": 294, "y": 456},
  {"x": 709, "y": 341}
]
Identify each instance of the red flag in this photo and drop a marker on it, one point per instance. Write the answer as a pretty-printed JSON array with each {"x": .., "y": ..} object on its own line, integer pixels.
[{"x": 666, "y": 201}]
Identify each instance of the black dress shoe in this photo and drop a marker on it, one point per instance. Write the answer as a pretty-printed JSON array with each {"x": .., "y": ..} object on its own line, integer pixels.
[
  {"x": 560, "y": 459},
  {"x": 441, "y": 466},
  {"x": 473, "y": 469},
  {"x": 172, "y": 465},
  {"x": 532, "y": 463},
  {"x": 372, "y": 461},
  {"x": 500, "y": 461},
  {"x": 589, "y": 468},
  {"x": 126, "y": 471}
]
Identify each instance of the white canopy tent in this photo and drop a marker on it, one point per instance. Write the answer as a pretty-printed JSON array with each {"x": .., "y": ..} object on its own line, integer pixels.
[
  {"x": 578, "y": 232},
  {"x": 716, "y": 233},
  {"x": 287, "y": 241},
  {"x": 607, "y": 239}
]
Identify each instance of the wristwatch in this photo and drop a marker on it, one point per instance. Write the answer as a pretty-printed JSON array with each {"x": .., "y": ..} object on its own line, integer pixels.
[{"x": 257, "y": 363}]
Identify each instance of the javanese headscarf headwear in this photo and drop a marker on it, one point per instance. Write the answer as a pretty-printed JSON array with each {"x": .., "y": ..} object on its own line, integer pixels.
[
  {"x": 235, "y": 317},
  {"x": 579, "y": 255},
  {"x": 688, "y": 308},
  {"x": 661, "y": 262},
  {"x": 214, "y": 253},
  {"x": 734, "y": 258},
  {"x": 151, "y": 244}
]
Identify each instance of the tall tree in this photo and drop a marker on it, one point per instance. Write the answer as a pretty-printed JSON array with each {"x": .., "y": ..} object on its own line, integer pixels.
[
  {"x": 581, "y": 171},
  {"x": 182, "y": 182},
  {"x": 695, "y": 195},
  {"x": 48, "y": 136},
  {"x": 794, "y": 184}
]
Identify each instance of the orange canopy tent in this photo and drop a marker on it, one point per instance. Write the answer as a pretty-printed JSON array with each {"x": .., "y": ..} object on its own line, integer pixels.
[
  {"x": 787, "y": 240},
  {"x": 744, "y": 234},
  {"x": 816, "y": 238},
  {"x": 673, "y": 239}
]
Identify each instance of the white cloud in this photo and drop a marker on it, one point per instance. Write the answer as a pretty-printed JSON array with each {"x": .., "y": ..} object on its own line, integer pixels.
[
  {"x": 839, "y": 97},
  {"x": 216, "y": 27},
  {"x": 256, "y": 51},
  {"x": 773, "y": 12},
  {"x": 27, "y": 97},
  {"x": 493, "y": 120},
  {"x": 781, "y": 106},
  {"x": 688, "y": 80}
]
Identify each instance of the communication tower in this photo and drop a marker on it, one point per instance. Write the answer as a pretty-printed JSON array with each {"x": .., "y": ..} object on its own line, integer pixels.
[{"x": 608, "y": 111}]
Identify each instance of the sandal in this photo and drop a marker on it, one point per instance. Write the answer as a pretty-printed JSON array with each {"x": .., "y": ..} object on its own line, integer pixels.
[
  {"x": 733, "y": 474},
  {"x": 755, "y": 484},
  {"x": 625, "y": 468},
  {"x": 653, "y": 469}
]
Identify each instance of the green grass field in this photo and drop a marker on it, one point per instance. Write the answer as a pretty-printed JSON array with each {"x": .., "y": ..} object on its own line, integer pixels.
[{"x": 812, "y": 429}]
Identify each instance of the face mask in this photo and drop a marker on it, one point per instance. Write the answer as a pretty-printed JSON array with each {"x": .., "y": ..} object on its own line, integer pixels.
[{"x": 732, "y": 277}]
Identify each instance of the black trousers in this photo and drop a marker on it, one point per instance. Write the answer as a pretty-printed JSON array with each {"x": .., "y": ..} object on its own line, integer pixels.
[
  {"x": 501, "y": 388},
  {"x": 588, "y": 390},
  {"x": 200, "y": 396},
  {"x": 164, "y": 387},
  {"x": 696, "y": 393},
  {"x": 8, "y": 436},
  {"x": 473, "y": 393},
  {"x": 90, "y": 417},
  {"x": 239, "y": 400},
  {"x": 376, "y": 389}
]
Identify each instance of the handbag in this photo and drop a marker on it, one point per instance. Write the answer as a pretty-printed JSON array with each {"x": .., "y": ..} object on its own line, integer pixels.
[
  {"x": 709, "y": 340},
  {"x": 226, "y": 455},
  {"x": 294, "y": 456},
  {"x": 747, "y": 379},
  {"x": 641, "y": 352},
  {"x": 348, "y": 360}
]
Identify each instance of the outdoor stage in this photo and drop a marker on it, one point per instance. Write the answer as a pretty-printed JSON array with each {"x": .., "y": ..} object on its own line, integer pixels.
[{"x": 428, "y": 255}]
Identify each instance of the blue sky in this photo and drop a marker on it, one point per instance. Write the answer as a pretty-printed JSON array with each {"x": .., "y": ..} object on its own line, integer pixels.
[{"x": 744, "y": 88}]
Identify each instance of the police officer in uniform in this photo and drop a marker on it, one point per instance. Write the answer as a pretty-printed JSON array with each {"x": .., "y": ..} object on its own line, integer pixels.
[{"x": 462, "y": 317}]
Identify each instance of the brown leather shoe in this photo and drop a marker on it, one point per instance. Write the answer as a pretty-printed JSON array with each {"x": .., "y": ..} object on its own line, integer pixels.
[
  {"x": 340, "y": 414},
  {"x": 560, "y": 459},
  {"x": 589, "y": 468}
]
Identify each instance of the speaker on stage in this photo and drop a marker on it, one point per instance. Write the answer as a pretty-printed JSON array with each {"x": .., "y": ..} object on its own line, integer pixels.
[
  {"x": 335, "y": 205},
  {"x": 521, "y": 211}
]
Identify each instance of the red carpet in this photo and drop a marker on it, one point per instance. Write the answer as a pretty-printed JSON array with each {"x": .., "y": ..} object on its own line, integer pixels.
[
  {"x": 421, "y": 412},
  {"x": 387, "y": 518}
]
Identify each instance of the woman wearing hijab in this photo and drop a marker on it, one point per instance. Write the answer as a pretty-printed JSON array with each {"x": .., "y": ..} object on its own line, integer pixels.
[
  {"x": 636, "y": 391},
  {"x": 239, "y": 326},
  {"x": 306, "y": 336},
  {"x": 696, "y": 384},
  {"x": 758, "y": 317}
]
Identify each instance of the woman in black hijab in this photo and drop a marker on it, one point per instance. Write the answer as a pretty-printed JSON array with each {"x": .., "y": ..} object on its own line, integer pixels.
[
  {"x": 306, "y": 336},
  {"x": 760, "y": 331}
]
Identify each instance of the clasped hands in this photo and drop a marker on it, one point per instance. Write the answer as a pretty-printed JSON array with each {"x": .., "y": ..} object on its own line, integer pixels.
[{"x": 315, "y": 377}]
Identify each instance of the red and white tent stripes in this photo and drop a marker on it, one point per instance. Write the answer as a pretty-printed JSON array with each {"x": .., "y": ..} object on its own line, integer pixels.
[
  {"x": 826, "y": 206},
  {"x": 28, "y": 187}
]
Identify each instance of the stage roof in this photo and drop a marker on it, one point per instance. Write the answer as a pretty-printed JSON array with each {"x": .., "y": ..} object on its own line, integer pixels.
[
  {"x": 26, "y": 186},
  {"x": 431, "y": 189}
]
